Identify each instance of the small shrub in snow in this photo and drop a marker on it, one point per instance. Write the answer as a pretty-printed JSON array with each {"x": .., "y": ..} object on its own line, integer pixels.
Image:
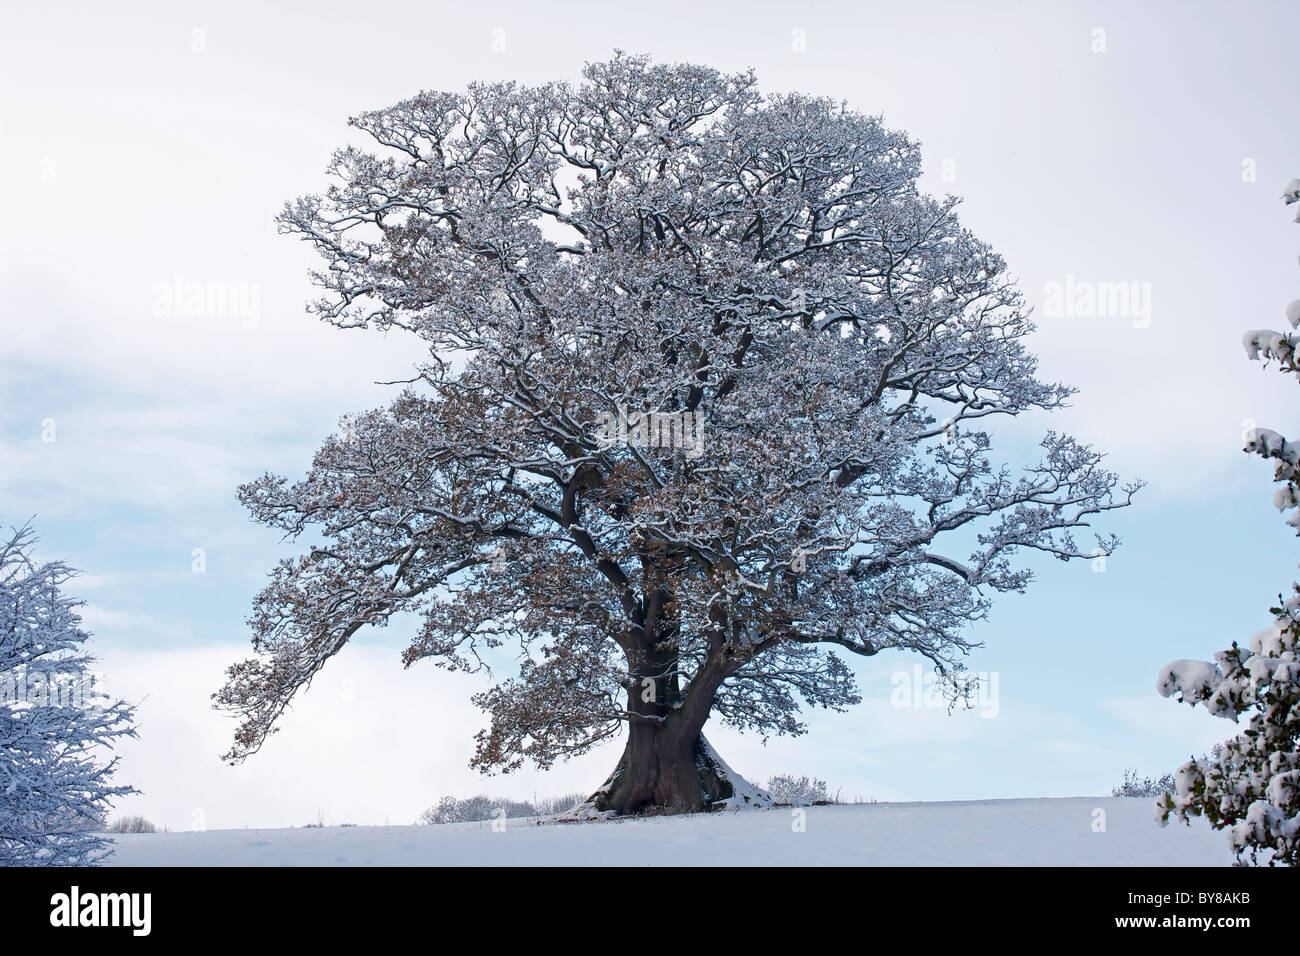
[
  {"x": 1135, "y": 786},
  {"x": 550, "y": 806},
  {"x": 481, "y": 807},
  {"x": 134, "y": 824},
  {"x": 790, "y": 790}
]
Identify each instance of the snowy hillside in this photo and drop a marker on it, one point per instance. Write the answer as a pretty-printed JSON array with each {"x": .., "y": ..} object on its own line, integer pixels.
[{"x": 981, "y": 833}]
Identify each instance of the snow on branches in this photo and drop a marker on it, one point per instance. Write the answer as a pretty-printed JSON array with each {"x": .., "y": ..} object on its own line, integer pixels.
[
  {"x": 54, "y": 726},
  {"x": 1251, "y": 787},
  {"x": 665, "y": 245}
]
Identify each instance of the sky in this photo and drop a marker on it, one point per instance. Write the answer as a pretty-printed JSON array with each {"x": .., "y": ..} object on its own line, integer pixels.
[{"x": 146, "y": 148}]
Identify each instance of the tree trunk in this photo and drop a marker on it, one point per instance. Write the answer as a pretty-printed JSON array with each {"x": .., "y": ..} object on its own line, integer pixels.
[
  {"x": 667, "y": 765},
  {"x": 662, "y": 771}
]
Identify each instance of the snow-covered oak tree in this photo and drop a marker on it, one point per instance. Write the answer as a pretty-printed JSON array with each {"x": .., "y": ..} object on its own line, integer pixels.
[
  {"x": 1251, "y": 785},
  {"x": 55, "y": 727},
  {"x": 698, "y": 416}
]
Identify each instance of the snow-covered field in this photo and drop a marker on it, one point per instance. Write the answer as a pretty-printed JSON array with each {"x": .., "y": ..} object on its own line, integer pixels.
[{"x": 1037, "y": 832}]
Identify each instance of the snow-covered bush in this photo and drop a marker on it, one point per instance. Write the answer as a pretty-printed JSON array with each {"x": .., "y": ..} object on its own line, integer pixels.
[
  {"x": 481, "y": 807},
  {"x": 54, "y": 726},
  {"x": 1251, "y": 787},
  {"x": 133, "y": 824},
  {"x": 1135, "y": 786},
  {"x": 793, "y": 791},
  {"x": 549, "y": 806}
]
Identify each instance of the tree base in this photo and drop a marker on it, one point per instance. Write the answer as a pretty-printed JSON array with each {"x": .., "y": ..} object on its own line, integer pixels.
[{"x": 719, "y": 788}]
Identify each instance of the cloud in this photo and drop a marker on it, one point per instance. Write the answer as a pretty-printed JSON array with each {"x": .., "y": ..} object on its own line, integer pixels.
[
  {"x": 95, "y": 618},
  {"x": 1170, "y": 725},
  {"x": 368, "y": 743}
]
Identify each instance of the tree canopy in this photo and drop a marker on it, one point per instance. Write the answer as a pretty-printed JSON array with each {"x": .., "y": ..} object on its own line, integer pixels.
[{"x": 702, "y": 411}]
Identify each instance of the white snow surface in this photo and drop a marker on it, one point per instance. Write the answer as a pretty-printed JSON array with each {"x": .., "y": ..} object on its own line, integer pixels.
[{"x": 1031, "y": 832}]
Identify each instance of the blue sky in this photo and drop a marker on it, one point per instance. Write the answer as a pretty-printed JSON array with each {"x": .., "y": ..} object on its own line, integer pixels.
[{"x": 137, "y": 150}]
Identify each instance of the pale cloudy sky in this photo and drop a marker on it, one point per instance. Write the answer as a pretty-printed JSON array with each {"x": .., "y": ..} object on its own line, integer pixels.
[{"x": 146, "y": 144}]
